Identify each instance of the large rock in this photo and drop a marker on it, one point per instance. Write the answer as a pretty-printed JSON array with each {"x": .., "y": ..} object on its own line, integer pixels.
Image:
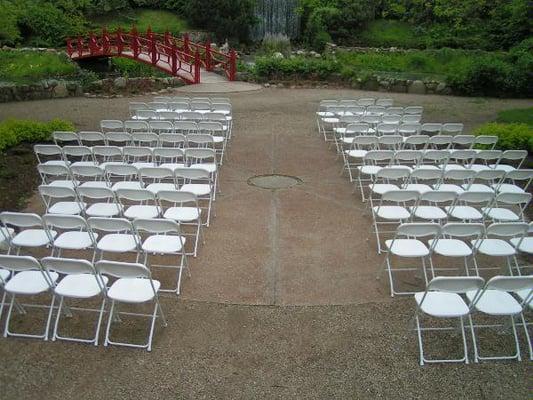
[
  {"x": 417, "y": 87},
  {"x": 60, "y": 90},
  {"x": 120, "y": 82}
]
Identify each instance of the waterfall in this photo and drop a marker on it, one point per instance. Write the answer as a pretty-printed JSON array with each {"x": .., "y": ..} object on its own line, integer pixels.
[{"x": 276, "y": 16}]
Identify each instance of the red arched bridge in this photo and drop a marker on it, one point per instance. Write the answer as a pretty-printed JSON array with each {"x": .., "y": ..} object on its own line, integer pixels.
[{"x": 176, "y": 56}]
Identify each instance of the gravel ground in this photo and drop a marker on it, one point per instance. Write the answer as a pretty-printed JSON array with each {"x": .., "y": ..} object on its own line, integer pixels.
[{"x": 283, "y": 302}]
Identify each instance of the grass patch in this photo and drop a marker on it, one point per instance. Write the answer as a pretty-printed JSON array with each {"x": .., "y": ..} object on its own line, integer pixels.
[
  {"x": 31, "y": 66},
  {"x": 517, "y": 115},
  {"x": 158, "y": 20},
  {"x": 390, "y": 33},
  {"x": 132, "y": 68}
]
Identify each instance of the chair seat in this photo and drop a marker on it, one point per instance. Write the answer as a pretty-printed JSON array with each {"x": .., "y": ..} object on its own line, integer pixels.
[
  {"x": 127, "y": 185},
  {"x": 133, "y": 290},
  {"x": 80, "y": 286},
  {"x": 451, "y": 247},
  {"x": 66, "y": 208},
  {"x": 144, "y": 164},
  {"x": 74, "y": 240},
  {"x": 182, "y": 214},
  {"x": 330, "y": 120},
  {"x": 507, "y": 188},
  {"x": 452, "y": 167},
  {"x": 29, "y": 282},
  {"x": 84, "y": 164},
  {"x": 64, "y": 183},
  {"x": 448, "y": 187},
  {"x": 369, "y": 169},
  {"x": 494, "y": 247},
  {"x": 394, "y": 213},
  {"x": 381, "y": 188},
  {"x": 429, "y": 167},
  {"x": 141, "y": 211},
  {"x": 479, "y": 167},
  {"x": 502, "y": 167},
  {"x": 97, "y": 184},
  {"x": 464, "y": 212},
  {"x": 526, "y": 244},
  {"x": 418, "y": 187},
  {"x": 219, "y": 139},
  {"x": 500, "y": 214},
  {"x": 407, "y": 247},
  {"x": 429, "y": 212},
  {"x": 158, "y": 187},
  {"x": 118, "y": 242},
  {"x": 495, "y": 302},
  {"x": 442, "y": 305},
  {"x": 199, "y": 189},
  {"x": 478, "y": 187},
  {"x": 172, "y": 166},
  {"x": 33, "y": 238},
  {"x": 209, "y": 167},
  {"x": 163, "y": 244},
  {"x": 104, "y": 210},
  {"x": 356, "y": 153}
]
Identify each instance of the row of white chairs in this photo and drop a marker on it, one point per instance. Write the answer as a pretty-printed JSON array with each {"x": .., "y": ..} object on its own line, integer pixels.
[
  {"x": 397, "y": 206},
  {"x": 75, "y": 280},
  {"x": 180, "y": 106},
  {"x": 354, "y": 126},
  {"x": 365, "y": 101},
  {"x": 132, "y": 126},
  {"x": 464, "y": 299},
  {"x": 179, "y": 115},
  {"x": 166, "y": 99}
]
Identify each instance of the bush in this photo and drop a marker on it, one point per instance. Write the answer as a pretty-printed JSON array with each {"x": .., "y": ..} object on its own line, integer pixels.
[
  {"x": 276, "y": 43},
  {"x": 296, "y": 67},
  {"x": 511, "y": 136},
  {"x": 133, "y": 69},
  {"x": 31, "y": 66},
  {"x": 13, "y": 131}
]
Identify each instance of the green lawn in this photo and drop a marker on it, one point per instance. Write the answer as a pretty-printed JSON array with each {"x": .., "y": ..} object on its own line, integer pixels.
[
  {"x": 158, "y": 20},
  {"x": 390, "y": 33},
  {"x": 30, "y": 66},
  {"x": 516, "y": 115}
]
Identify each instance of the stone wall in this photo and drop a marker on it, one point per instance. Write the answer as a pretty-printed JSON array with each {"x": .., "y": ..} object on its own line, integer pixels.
[{"x": 47, "y": 89}]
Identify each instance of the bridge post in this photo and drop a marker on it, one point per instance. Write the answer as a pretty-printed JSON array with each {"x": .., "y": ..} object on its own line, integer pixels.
[
  {"x": 208, "y": 56},
  {"x": 120, "y": 41},
  {"x": 232, "y": 65},
  {"x": 186, "y": 48},
  {"x": 153, "y": 50},
  {"x": 80, "y": 46},
  {"x": 134, "y": 42},
  {"x": 93, "y": 44},
  {"x": 167, "y": 38},
  {"x": 197, "y": 67},
  {"x": 174, "y": 59},
  {"x": 105, "y": 41},
  {"x": 70, "y": 49}
]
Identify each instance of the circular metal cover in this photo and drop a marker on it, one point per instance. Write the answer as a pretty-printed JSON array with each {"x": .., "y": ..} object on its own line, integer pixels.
[{"x": 274, "y": 181}]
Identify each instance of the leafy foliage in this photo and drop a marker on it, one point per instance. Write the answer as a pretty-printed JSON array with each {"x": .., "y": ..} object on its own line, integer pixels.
[
  {"x": 517, "y": 115},
  {"x": 511, "y": 136},
  {"x": 132, "y": 69},
  {"x": 28, "y": 66},
  {"x": 275, "y": 43},
  {"x": 13, "y": 131}
]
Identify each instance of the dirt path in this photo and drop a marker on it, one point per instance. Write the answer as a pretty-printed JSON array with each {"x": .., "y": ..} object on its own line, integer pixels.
[{"x": 307, "y": 245}]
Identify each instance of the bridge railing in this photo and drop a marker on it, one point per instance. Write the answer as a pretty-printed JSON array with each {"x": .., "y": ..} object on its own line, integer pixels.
[{"x": 178, "y": 56}]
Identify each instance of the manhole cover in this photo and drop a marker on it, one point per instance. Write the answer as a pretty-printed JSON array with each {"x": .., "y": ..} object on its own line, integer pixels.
[{"x": 274, "y": 181}]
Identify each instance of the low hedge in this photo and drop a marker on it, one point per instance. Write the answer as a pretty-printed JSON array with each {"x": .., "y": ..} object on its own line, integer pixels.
[
  {"x": 15, "y": 131},
  {"x": 511, "y": 136}
]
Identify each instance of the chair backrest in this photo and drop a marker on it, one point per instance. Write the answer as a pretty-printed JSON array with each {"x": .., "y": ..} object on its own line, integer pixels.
[
  {"x": 177, "y": 196},
  {"x": 488, "y": 155},
  {"x": 464, "y": 175},
  {"x": 378, "y": 155},
  {"x": 461, "y": 229},
  {"x": 416, "y": 110},
  {"x": 486, "y": 140},
  {"x": 161, "y": 126},
  {"x": 155, "y": 173},
  {"x": 416, "y": 140},
  {"x": 432, "y": 128},
  {"x": 440, "y": 140},
  {"x": 86, "y": 171},
  {"x": 408, "y": 156},
  {"x": 400, "y": 196},
  {"x": 111, "y": 125},
  {"x": 393, "y": 173},
  {"x": 65, "y": 136},
  {"x": 384, "y": 102},
  {"x": 137, "y": 152},
  {"x": 90, "y": 137},
  {"x": 68, "y": 266},
  {"x": 475, "y": 197},
  {"x": 452, "y": 128},
  {"x": 436, "y": 196},
  {"x": 436, "y": 156},
  {"x": 520, "y": 174},
  {"x": 162, "y": 99},
  {"x": 19, "y": 263},
  {"x": 368, "y": 101},
  {"x": 138, "y": 195},
  {"x": 390, "y": 141},
  {"x": 172, "y": 139},
  {"x": 191, "y": 115},
  {"x": 507, "y": 229},
  {"x": 122, "y": 269},
  {"x": 107, "y": 151},
  {"x": 146, "y": 114},
  {"x": 200, "y": 139},
  {"x": 185, "y": 126},
  {"x": 118, "y": 137},
  {"x": 375, "y": 110},
  {"x": 165, "y": 154},
  {"x": 192, "y": 174},
  {"x": 489, "y": 175},
  {"x": 52, "y": 170},
  {"x": 157, "y": 106},
  {"x": 410, "y": 128},
  {"x": 95, "y": 192},
  {"x": 57, "y": 192},
  {"x": 462, "y": 140},
  {"x": 110, "y": 224},
  {"x": 456, "y": 284},
  {"x": 47, "y": 150},
  {"x": 425, "y": 174},
  {"x": 148, "y": 138},
  {"x": 22, "y": 220},
  {"x": 358, "y": 127},
  {"x": 168, "y": 115},
  {"x": 65, "y": 221},
  {"x": 418, "y": 229},
  {"x": 510, "y": 283},
  {"x": 136, "y": 125},
  {"x": 513, "y": 198},
  {"x": 391, "y": 119},
  {"x": 198, "y": 154},
  {"x": 156, "y": 225},
  {"x": 77, "y": 151}
]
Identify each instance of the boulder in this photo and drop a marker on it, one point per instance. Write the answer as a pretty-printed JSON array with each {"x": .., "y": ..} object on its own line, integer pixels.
[
  {"x": 417, "y": 87},
  {"x": 60, "y": 90},
  {"x": 120, "y": 82}
]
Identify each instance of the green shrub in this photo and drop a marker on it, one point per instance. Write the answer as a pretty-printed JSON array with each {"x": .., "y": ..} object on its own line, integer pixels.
[
  {"x": 31, "y": 66},
  {"x": 13, "y": 131},
  {"x": 390, "y": 33},
  {"x": 295, "y": 67},
  {"x": 133, "y": 69},
  {"x": 275, "y": 43},
  {"x": 511, "y": 136},
  {"x": 516, "y": 115},
  {"x": 9, "y": 31}
]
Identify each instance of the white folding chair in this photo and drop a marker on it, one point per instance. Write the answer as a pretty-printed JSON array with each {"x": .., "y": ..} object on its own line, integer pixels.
[
  {"x": 73, "y": 233},
  {"x": 79, "y": 282},
  {"x": 430, "y": 203},
  {"x": 56, "y": 175},
  {"x": 431, "y": 129},
  {"x": 507, "y": 207},
  {"x": 393, "y": 209},
  {"x": 420, "y": 179},
  {"x": 510, "y": 160},
  {"x": 366, "y": 101},
  {"x": 411, "y": 118},
  {"x": 172, "y": 140},
  {"x": 155, "y": 179},
  {"x": 406, "y": 243},
  {"x": 99, "y": 201},
  {"x": 91, "y": 138},
  {"x": 440, "y": 142},
  {"x": 373, "y": 161},
  {"x": 161, "y": 127},
  {"x": 442, "y": 300},
  {"x": 452, "y": 128},
  {"x": 496, "y": 301},
  {"x": 387, "y": 179},
  {"x": 138, "y": 203},
  {"x": 205, "y": 159},
  {"x": 384, "y": 102},
  {"x": 32, "y": 232},
  {"x": 132, "y": 126},
  {"x": 451, "y": 243},
  {"x": 354, "y": 156},
  {"x": 134, "y": 285},
  {"x": 139, "y": 157},
  {"x": 89, "y": 176},
  {"x": 107, "y": 125},
  {"x": 118, "y": 237},
  {"x": 495, "y": 243},
  {"x": 79, "y": 155},
  {"x": 145, "y": 114},
  {"x": 455, "y": 180},
  {"x": 123, "y": 176},
  {"x": 157, "y": 106},
  {"x": 468, "y": 206},
  {"x": 62, "y": 137},
  {"x": 186, "y": 127},
  {"x": 410, "y": 128},
  {"x": 105, "y": 155},
  {"x": 415, "y": 142},
  {"x": 484, "y": 181},
  {"x": 147, "y": 139},
  {"x": 460, "y": 159},
  {"x": 163, "y": 237},
  {"x": 118, "y": 139},
  {"x": 169, "y": 157},
  {"x": 49, "y": 154},
  {"x": 486, "y": 141},
  {"x": 192, "y": 116},
  {"x": 413, "y": 110},
  {"x": 179, "y": 106},
  {"x": 135, "y": 106},
  {"x": 459, "y": 141},
  {"x": 199, "y": 182},
  {"x": 484, "y": 158},
  {"x": 60, "y": 200},
  {"x": 515, "y": 181}
]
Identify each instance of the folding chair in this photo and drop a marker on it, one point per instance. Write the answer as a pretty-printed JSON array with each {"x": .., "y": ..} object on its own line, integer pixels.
[
  {"x": 155, "y": 179},
  {"x": 434, "y": 159},
  {"x": 411, "y": 118},
  {"x": 414, "y": 142},
  {"x": 516, "y": 181},
  {"x": 483, "y": 159},
  {"x": 373, "y": 161},
  {"x": 56, "y": 175},
  {"x": 139, "y": 157},
  {"x": 526, "y": 297},
  {"x": 413, "y": 110},
  {"x": 134, "y": 285},
  {"x": 27, "y": 279},
  {"x": 205, "y": 159},
  {"x": 496, "y": 301},
  {"x": 384, "y": 102},
  {"x": 192, "y": 116},
  {"x": 138, "y": 203},
  {"x": 79, "y": 155},
  {"x": 162, "y": 99},
  {"x": 106, "y": 155},
  {"x": 160, "y": 127},
  {"x": 524, "y": 245},
  {"x": 199, "y": 182},
  {"x": 351, "y": 131},
  {"x": 455, "y": 180},
  {"x": 459, "y": 141},
  {"x": 32, "y": 231},
  {"x": 431, "y": 129},
  {"x": 387, "y": 179},
  {"x": 179, "y": 106},
  {"x": 146, "y": 139},
  {"x": 145, "y": 114},
  {"x": 430, "y": 203},
  {"x": 109, "y": 125},
  {"x": 89, "y": 176},
  {"x": 79, "y": 282},
  {"x": 407, "y": 158},
  {"x": 451, "y": 243},
  {"x": 118, "y": 139},
  {"x": 73, "y": 233},
  {"x": 185, "y": 127},
  {"x": 217, "y": 131},
  {"x": 62, "y": 137},
  {"x": 507, "y": 207},
  {"x": 135, "y": 106},
  {"x": 91, "y": 138},
  {"x": 169, "y": 157},
  {"x": 406, "y": 243},
  {"x": 366, "y": 101},
  {"x": 460, "y": 159},
  {"x": 515, "y": 157},
  {"x": 49, "y": 154},
  {"x": 495, "y": 243},
  {"x": 118, "y": 237},
  {"x": 133, "y": 126},
  {"x": 442, "y": 300},
  {"x": 489, "y": 178},
  {"x": 200, "y": 106},
  {"x": 486, "y": 141},
  {"x": 172, "y": 140},
  {"x": 123, "y": 176},
  {"x": 468, "y": 206},
  {"x": 392, "y": 119},
  {"x": 360, "y": 146},
  {"x": 419, "y": 179},
  {"x": 100, "y": 201},
  {"x": 440, "y": 142},
  {"x": 60, "y": 200},
  {"x": 452, "y": 128},
  {"x": 410, "y": 128},
  {"x": 385, "y": 129},
  {"x": 393, "y": 209},
  {"x": 157, "y": 106}
]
